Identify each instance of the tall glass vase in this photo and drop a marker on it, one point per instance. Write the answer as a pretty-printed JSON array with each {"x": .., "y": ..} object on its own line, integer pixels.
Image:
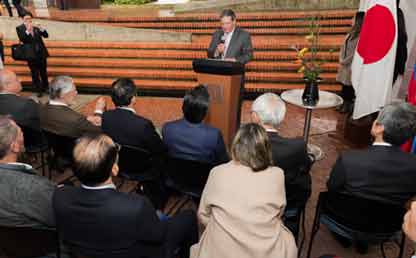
[{"x": 310, "y": 96}]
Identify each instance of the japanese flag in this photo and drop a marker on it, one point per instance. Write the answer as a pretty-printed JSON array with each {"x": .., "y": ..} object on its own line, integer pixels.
[{"x": 373, "y": 64}]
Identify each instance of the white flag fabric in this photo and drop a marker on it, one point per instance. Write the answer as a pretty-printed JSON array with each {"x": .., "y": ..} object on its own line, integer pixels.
[{"x": 373, "y": 64}]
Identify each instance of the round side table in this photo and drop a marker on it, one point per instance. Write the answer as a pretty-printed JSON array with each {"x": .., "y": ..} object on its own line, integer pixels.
[{"x": 326, "y": 100}]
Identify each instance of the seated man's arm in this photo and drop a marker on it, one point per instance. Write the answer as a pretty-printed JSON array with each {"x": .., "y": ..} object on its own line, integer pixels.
[
  {"x": 221, "y": 155},
  {"x": 85, "y": 127},
  {"x": 150, "y": 227},
  {"x": 153, "y": 141},
  {"x": 336, "y": 179},
  {"x": 39, "y": 206},
  {"x": 31, "y": 115}
]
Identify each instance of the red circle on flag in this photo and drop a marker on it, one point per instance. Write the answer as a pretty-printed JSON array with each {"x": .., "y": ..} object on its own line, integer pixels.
[{"x": 377, "y": 34}]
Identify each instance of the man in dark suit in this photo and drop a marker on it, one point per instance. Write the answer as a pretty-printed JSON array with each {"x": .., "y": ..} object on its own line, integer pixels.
[
  {"x": 57, "y": 117},
  {"x": 26, "y": 198},
  {"x": 291, "y": 155},
  {"x": 230, "y": 42},
  {"x": 24, "y": 111},
  {"x": 191, "y": 139},
  {"x": 32, "y": 36},
  {"x": 18, "y": 5},
  {"x": 1, "y": 51},
  {"x": 96, "y": 220},
  {"x": 382, "y": 172}
]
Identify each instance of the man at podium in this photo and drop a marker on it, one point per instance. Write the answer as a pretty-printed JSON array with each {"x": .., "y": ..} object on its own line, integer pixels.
[{"x": 230, "y": 43}]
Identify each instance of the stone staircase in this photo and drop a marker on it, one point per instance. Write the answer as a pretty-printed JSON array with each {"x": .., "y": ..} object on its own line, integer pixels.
[{"x": 168, "y": 66}]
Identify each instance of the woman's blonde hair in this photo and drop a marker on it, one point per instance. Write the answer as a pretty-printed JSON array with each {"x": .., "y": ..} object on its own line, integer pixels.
[{"x": 251, "y": 147}]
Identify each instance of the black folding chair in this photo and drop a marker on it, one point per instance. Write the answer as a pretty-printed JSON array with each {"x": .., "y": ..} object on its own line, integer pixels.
[
  {"x": 36, "y": 143},
  {"x": 188, "y": 177},
  {"x": 26, "y": 242},
  {"x": 359, "y": 219}
]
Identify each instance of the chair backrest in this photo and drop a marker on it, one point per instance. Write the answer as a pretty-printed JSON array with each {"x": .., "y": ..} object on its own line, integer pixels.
[
  {"x": 33, "y": 138},
  {"x": 188, "y": 175},
  {"x": 61, "y": 145},
  {"x": 25, "y": 242},
  {"x": 361, "y": 214},
  {"x": 134, "y": 161}
]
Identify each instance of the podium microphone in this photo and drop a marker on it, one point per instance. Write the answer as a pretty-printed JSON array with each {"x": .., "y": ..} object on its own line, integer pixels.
[{"x": 222, "y": 41}]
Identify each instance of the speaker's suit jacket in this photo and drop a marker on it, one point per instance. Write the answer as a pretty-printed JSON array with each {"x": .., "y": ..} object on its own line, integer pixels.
[
  {"x": 291, "y": 156},
  {"x": 240, "y": 46},
  {"x": 36, "y": 40},
  {"x": 62, "y": 120},
  {"x": 382, "y": 173},
  {"x": 24, "y": 111}
]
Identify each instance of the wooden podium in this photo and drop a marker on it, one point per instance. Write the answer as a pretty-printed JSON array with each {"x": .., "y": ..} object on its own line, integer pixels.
[{"x": 223, "y": 80}]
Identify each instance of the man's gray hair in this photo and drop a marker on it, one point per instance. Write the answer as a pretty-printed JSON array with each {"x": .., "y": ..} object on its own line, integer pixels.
[
  {"x": 60, "y": 85},
  {"x": 8, "y": 134},
  {"x": 399, "y": 121},
  {"x": 270, "y": 108}
]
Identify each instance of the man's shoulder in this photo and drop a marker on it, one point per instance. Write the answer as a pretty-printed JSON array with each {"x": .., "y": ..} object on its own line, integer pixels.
[
  {"x": 242, "y": 31},
  {"x": 280, "y": 141},
  {"x": 23, "y": 178}
]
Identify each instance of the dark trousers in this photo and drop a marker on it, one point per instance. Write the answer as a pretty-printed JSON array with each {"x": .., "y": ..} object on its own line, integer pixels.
[
  {"x": 347, "y": 93},
  {"x": 38, "y": 69},
  {"x": 182, "y": 233},
  {"x": 8, "y": 7},
  {"x": 17, "y": 4}
]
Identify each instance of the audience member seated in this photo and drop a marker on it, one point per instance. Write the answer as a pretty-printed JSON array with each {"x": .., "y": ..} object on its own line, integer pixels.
[
  {"x": 126, "y": 127},
  {"x": 382, "y": 172},
  {"x": 57, "y": 117},
  {"x": 191, "y": 139},
  {"x": 291, "y": 155},
  {"x": 243, "y": 202},
  {"x": 26, "y": 198},
  {"x": 97, "y": 221},
  {"x": 25, "y": 112}
]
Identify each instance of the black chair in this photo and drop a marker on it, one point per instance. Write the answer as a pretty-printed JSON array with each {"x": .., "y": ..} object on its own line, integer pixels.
[
  {"x": 36, "y": 143},
  {"x": 359, "y": 219},
  {"x": 293, "y": 218},
  {"x": 25, "y": 242},
  {"x": 61, "y": 156},
  {"x": 187, "y": 177}
]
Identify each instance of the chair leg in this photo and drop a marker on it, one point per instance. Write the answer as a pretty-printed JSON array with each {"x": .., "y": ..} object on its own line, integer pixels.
[
  {"x": 302, "y": 241},
  {"x": 402, "y": 243},
  {"x": 42, "y": 162},
  {"x": 315, "y": 227}
]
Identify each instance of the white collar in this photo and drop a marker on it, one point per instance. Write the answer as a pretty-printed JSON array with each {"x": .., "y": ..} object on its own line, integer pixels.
[
  {"x": 27, "y": 166},
  {"x": 128, "y": 108},
  {"x": 101, "y": 187},
  {"x": 270, "y": 130},
  {"x": 57, "y": 103},
  {"x": 7, "y": 93},
  {"x": 382, "y": 144}
]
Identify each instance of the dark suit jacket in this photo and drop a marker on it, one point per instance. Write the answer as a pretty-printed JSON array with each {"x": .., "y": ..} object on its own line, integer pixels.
[
  {"x": 199, "y": 142},
  {"x": 64, "y": 121},
  {"x": 127, "y": 128},
  {"x": 25, "y": 112},
  {"x": 382, "y": 173},
  {"x": 240, "y": 46},
  {"x": 108, "y": 224},
  {"x": 26, "y": 198},
  {"x": 36, "y": 40},
  {"x": 291, "y": 156},
  {"x": 2, "y": 51}
]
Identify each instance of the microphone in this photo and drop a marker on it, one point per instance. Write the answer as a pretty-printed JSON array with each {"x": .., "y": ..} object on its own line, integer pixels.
[{"x": 222, "y": 41}]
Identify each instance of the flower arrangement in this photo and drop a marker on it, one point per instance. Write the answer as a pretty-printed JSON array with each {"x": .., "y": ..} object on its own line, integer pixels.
[{"x": 307, "y": 57}]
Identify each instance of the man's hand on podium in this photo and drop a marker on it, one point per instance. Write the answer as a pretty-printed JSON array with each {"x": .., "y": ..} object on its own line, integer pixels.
[{"x": 231, "y": 59}]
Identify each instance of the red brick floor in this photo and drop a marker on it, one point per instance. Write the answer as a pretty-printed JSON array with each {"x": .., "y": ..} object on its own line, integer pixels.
[{"x": 325, "y": 132}]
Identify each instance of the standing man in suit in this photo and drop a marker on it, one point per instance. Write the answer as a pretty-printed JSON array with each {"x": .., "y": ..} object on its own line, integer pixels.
[
  {"x": 190, "y": 138},
  {"x": 32, "y": 36},
  {"x": 96, "y": 220},
  {"x": 26, "y": 198},
  {"x": 18, "y": 5},
  {"x": 383, "y": 172},
  {"x": 25, "y": 112},
  {"x": 230, "y": 43},
  {"x": 126, "y": 127},
  {"x": 57, "y": 117}
]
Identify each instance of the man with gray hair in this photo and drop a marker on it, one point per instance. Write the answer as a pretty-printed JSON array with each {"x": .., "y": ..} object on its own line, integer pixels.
[
  {"x": 57, "y": 116},
  {"x": 382, "y": 172},
  {"x": 24, "y": 111},
  {"x": 26, "y": 198},
  {"x": 291, "y": 155}
]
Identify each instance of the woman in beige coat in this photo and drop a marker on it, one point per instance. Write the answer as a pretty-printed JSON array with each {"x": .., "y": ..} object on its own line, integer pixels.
[
  {"x": 346, "y": 55},
  {"x": 243, "y": 202}
]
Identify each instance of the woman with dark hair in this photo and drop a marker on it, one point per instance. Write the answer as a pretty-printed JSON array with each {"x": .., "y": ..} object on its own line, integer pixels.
[
  {"x": 243, "y": 202},
  {"x": 345, "y": 60}
]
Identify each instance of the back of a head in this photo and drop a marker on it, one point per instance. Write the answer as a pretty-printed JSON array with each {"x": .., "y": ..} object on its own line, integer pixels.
[
  {"x": 270, "y": 109},
  {"x": 358, "y": 23},
  {"x": 195, "y": 104},
  {"x": 399, "y": 122},
  {"x": 228, "y": 13},
  {"x": 9, "y": 82},
  {"x": 123, "y": 90},
  {"x": 60, "y": 85},
  {"x": 8, "y": 134},
  {"x": 94, "y": 157},
  {"x": 251, "y": 147}
]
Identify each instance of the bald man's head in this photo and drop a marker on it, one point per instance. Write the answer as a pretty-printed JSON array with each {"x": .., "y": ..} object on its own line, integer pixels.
[{"x": 9, "y": 82}]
